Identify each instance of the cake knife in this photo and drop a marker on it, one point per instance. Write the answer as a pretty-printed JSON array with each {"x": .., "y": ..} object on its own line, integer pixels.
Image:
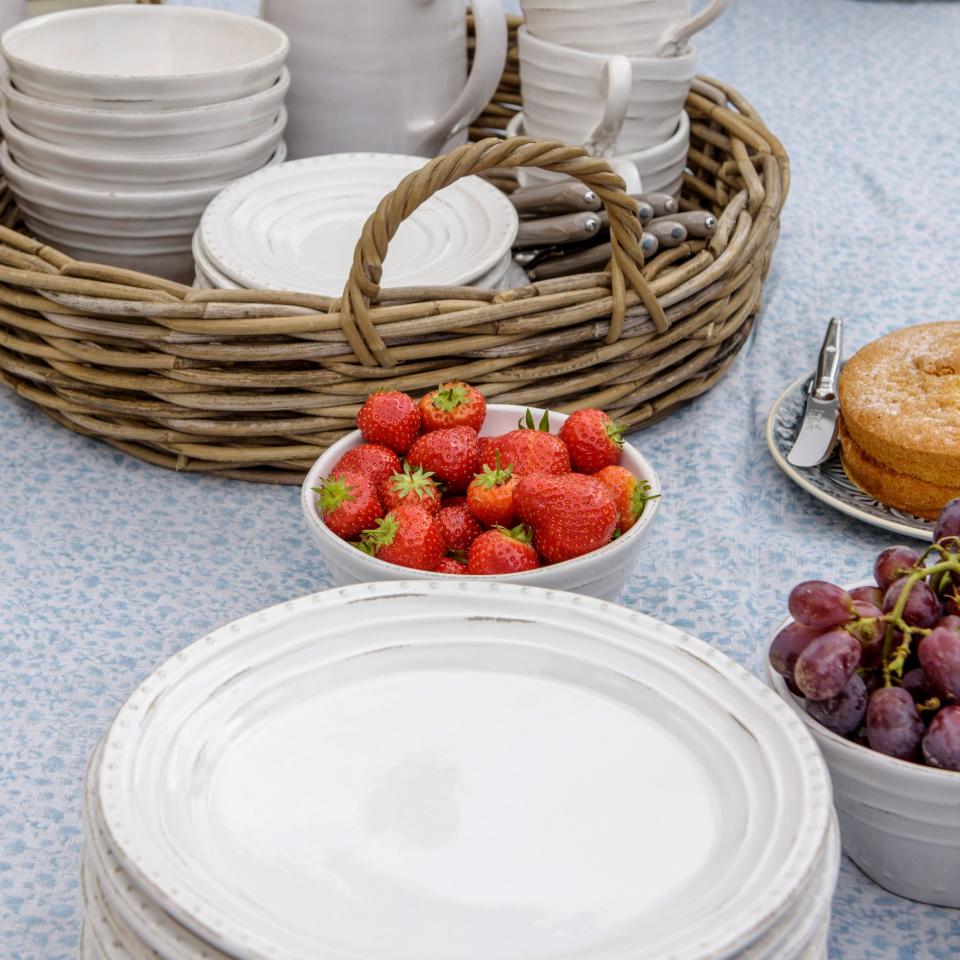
[{"x": 818, "y": 429}]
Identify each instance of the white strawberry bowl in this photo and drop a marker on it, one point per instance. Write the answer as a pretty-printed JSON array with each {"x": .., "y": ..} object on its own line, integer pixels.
[{"x": 602, "y": 573}]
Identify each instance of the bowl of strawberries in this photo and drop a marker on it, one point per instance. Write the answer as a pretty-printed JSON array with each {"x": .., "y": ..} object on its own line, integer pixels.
[{"x": 452, "y": 486}]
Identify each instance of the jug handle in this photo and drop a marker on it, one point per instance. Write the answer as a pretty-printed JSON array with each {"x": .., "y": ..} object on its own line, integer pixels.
[
  {"x": 673, "y": 40},
  {"x": 489, "y": 61}
]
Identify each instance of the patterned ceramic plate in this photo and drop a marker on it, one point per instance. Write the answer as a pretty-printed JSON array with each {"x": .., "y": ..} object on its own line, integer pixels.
[{"x": 829, "y": 482}]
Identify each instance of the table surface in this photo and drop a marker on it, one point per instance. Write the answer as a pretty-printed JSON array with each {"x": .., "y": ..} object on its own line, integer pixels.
[{"x": 109, "y": 565}]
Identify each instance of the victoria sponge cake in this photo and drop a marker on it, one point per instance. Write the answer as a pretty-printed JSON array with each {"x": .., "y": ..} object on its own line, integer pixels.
[{"x": 900, "y": 418}]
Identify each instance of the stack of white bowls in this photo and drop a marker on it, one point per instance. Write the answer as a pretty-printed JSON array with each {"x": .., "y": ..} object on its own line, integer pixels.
[
  {"x": 613, "y": 76},
  {"x": 453, "y": 771},
  {"x": 122, "y": 122},
  {"x": 295, "y": 227}
]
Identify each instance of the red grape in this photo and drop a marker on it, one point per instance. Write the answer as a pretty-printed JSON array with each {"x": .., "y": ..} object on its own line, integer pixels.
[
  {"x": 872, "y": 595},
  {"x": 948, "y": 524},
  {"x": 939, "y": 654},
  {"x": 951, "y": 622},
  {"x": 941, "y": 743},
  {"x": 870, "y": 635},
  {"x": 922, "y": 608},
  {"x": 787, "y": 645},
  {"x": 843, "y": 713},
  {"x": 818, "y": 604},
  {"x": 894, "y": 726},
  {"x": 918, "y": 685},
  {"x": 893, "y": 563},
  {"x": 826, "y": 664}
]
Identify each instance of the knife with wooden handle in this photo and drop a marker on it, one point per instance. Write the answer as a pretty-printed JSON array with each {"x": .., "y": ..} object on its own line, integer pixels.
[
  {"x": 662, "y": 203},
  {"x": 668, "y": 232},
  {"x": 699, "y": 224},
  {"x": 567, "y": 228},
  {"x": 554, "y": 198}
]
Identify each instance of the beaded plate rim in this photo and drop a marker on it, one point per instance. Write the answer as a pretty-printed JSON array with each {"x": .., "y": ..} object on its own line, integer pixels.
[{"x": 829, "y": 482}]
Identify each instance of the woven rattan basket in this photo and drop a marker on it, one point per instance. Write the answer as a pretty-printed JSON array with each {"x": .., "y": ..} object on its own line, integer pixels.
[{"x": 256, "y": 384}]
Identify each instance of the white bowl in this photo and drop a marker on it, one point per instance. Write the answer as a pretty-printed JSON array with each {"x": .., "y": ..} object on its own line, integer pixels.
[
  {"x": 143, "y": 57},
  {"x": 602, "y": 573},
  {"x": 899, "y": 821},
  {"x": 148, "y": 134},
  {"x": 75, "y": 205},
  {"x": 102, "y": 169}
]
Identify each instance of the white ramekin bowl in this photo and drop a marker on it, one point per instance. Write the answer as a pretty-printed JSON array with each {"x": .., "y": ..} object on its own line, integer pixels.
[
  {"x": 899, "y": 821},
  {"x": 145, "y": 134},
  {"x": 143, "y": 57},
  {"x": 109, "y": 171},
  {"x": 602, "y": 573}
]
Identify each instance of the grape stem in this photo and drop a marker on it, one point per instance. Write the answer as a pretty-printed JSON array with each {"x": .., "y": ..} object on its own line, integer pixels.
[{"x": 895, "y": 665}]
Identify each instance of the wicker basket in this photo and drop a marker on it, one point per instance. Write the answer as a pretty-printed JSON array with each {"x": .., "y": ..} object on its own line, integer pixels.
[{"x": 256, "y": 384}]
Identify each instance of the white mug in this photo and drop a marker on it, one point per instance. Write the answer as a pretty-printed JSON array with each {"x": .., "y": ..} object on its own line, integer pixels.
[
  {"x": 641, "y": 28},
  {"x": 655, "y": 170},
  {"x": 569, "y": 95},
  {"x": 386, "y": 76}
]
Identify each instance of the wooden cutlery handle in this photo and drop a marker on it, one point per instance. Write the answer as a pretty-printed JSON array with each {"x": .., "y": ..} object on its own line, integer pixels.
[
  {"x": 568, "y": 197},
  {"x": 567, "y": 228},
  {"x": 668, "y": 232},
  {"x": 699, "y": 224}
]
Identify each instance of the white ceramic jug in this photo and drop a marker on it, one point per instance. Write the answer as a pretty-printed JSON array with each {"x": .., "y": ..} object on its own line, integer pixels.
[{"x": 386, "y": 75}]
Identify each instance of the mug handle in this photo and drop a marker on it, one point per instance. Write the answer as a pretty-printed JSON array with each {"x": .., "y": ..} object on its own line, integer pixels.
[
  {"x": 618, "y": 84},
  {"x": 489, "y": 61},
  {"x": 673, "y": 40}
]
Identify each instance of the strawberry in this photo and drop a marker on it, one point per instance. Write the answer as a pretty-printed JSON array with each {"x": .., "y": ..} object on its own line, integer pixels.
[
  {"x": 629, "y": 494},
  {"x": 370, "y": 459},
  {"x": 391, "y": 419},
  {"x": 453, "y": 404},
  {"x": 450, "y": 453},
  {"x": 452, "y": 499},
  {"x": 488, "y": 449},
  {"x": 571, "y": 515},
  {"x": 502, "y": 551},
  {"x": 490, "y": 496},
  {"x": 408, "y": 536},
  {"x": 593, "y": 439},
  {"x": 449, "y": 565},
  {"x": 530, "y": 449},
  {"x": 348, "y": 504},
  {"x": 458, "y": 527},
  {"x": 415, "y": 487}
]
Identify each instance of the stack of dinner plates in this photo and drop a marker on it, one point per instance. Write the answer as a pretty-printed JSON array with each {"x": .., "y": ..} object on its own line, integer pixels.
[
  {"x": 455, "y": 771},
  {"x": 121, "y": 123},
  {"x": 295, "y": 227}
]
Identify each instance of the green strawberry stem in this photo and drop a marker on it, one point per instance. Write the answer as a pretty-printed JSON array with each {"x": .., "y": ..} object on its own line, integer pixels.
[
  {"x": 521, "y": 533},
  {"x": 417, "y": 481},
  {"x": 448, "y": 400},
  {"x": 495, "y": 476},
  {"x": 333, "y": 493},
  {"x": 382, "y": 535},
  {"x": 527, "y": 422}
]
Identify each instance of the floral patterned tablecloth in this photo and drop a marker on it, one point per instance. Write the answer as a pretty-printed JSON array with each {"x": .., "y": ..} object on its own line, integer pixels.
[{"x": 107, "y": 565}]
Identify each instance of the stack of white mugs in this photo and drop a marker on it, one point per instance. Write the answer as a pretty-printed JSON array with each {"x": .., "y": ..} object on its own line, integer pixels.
[{"x": 613, "y": 76}]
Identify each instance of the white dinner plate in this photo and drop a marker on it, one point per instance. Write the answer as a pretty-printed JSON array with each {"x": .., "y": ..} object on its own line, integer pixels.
[
  {"x": 459, "y": 771},
  {"x": 295, "y": 227},
  {"x": 127, "y": 904},
  {"x": 829, "y": 481}
]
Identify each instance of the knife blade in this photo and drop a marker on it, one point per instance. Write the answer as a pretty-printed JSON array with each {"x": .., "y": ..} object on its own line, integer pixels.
[{"x": 818, "y": 429}]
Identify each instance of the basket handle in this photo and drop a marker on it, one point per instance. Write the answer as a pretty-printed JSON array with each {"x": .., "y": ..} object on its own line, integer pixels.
[{"x": 363, "y": 283}]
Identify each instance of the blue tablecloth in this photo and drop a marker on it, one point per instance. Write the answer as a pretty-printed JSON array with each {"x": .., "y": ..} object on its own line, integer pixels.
[{"x": 108, "y": 566}]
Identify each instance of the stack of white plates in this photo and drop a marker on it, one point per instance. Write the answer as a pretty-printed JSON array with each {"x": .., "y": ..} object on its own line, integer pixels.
[
  {"x": 121, "y": 123},
  {"x": 456, "y": 771},
  {"x": 295, "y": 227}
]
